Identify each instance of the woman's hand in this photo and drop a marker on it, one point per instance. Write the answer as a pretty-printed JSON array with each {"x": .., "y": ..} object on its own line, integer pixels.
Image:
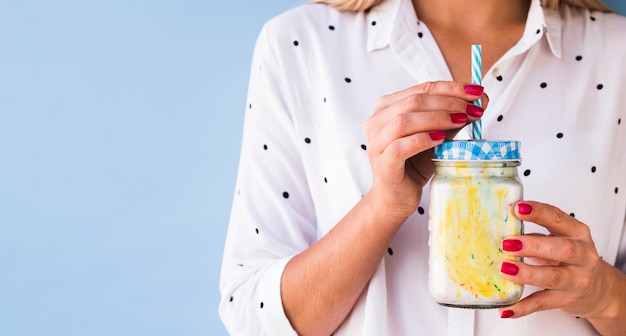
[
  {"x": 404, "y": 124},
  {"x": 402, "y": 132},
  {"x": 566, "y": 263}
]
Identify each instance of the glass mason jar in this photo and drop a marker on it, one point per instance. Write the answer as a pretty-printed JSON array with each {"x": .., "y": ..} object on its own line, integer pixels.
[{"x": 471, "y": 212}]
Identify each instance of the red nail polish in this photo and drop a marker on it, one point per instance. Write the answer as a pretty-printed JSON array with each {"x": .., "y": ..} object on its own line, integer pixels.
[
  {"x": 512, "y": 245},
  {"x": 524, "y": 208},
  {"x": 436, "y": 136},
  {"x": 508, "y": 268},
  {"x": 506, "y": 314},
  {"x": 474, "y": 90},
  {"x": 474, "y": 111},
  {"x": 458, "y": 118}
]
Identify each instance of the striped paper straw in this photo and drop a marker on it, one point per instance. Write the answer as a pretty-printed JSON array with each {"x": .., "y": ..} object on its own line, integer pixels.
[{"x": 477, "y": 71}]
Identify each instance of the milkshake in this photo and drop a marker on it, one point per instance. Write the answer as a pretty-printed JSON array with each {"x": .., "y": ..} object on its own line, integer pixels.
[{"x": 471, "y": 212}]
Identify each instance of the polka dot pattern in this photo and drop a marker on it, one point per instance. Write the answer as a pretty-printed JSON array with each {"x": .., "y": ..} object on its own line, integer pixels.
[{"x": 340, "y": 96}]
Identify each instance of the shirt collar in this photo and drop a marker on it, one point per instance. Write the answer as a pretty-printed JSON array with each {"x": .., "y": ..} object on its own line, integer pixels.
[
  {"x": 381, "y": 19},
  {"x": 548, "y": 23},
  {"x": 391, "y": 15}
]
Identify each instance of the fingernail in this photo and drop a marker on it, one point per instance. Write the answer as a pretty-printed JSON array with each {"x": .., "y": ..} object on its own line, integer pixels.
[
  {"x": 508, "y": 268},
  {"x": 474, "y": 111},
  {"x": 512, "y": 245},
  {"x": 506, "y": 313},
  {"x": 436, "y": 136},
  {"x": 458, "y": 118},
  {"x": 474, "y": 90},
  {"x": 524, "y": 208}
]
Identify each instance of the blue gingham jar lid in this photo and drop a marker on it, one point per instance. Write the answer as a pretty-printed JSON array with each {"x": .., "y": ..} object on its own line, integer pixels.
[{"x": 478, "y": 150}]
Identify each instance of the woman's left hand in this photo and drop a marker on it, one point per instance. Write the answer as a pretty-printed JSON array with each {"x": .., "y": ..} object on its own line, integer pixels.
[{"x": 566, "y": 263}]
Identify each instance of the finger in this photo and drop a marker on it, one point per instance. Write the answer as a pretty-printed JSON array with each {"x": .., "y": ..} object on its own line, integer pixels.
[
  {"x": 512, "y": 246},
  {"x": 538, "y": 301},
  {"x": 395, "y": 114},
  {"x": 396, "y": 153},
  {"x": 410, "y": 123},
  {"x": 552, "y": 218},
  {"x": 550, "y": 277},
  {"x": 557, "y": 248},
  {"x": 466, "y": 91},
  {"x": 429, "y": 102}
]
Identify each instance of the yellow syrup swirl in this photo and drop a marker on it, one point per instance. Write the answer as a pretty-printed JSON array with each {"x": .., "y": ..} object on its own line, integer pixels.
[{"x": 477, "y": 218}]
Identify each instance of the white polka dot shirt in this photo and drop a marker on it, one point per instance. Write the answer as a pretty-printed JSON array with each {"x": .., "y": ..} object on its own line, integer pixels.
[{"x": 316, "y": 76}]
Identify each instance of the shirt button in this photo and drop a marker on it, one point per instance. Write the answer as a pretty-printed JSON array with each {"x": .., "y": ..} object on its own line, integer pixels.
[{"x": 496, "y": 72}]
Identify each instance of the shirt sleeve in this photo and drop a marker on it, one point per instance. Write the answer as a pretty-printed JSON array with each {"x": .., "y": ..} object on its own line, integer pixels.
[{"x": 272, "y": 216}]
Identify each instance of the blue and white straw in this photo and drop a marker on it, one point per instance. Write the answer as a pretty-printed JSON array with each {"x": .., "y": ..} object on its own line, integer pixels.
[{"x": 477, "y": 71}]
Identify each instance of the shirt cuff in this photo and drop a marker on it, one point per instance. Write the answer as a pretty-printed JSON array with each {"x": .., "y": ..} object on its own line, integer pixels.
[{"x": 272, "y": 315}]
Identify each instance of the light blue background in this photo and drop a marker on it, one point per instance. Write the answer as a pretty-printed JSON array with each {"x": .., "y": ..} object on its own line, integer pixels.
[{"x": 120, "y": 126}]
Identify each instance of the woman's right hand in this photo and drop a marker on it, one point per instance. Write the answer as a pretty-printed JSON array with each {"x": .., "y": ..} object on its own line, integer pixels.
[{"x": 402, "y": 133}]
